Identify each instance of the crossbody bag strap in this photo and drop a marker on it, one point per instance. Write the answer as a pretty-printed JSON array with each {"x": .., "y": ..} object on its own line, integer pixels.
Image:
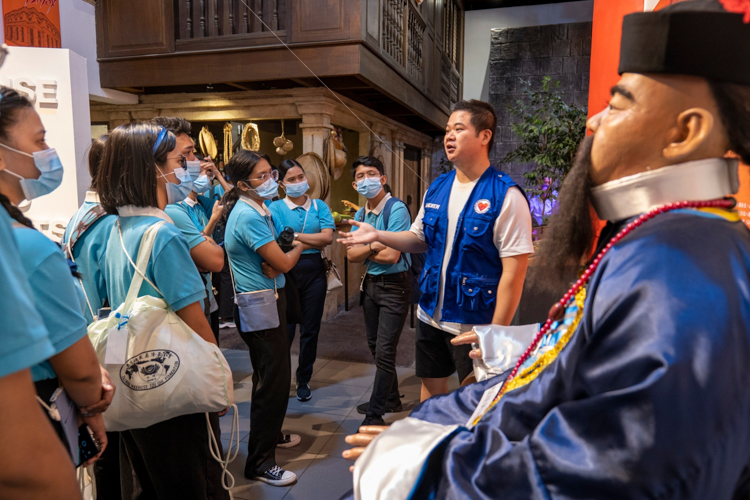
[{"x": 140, "y": 266}]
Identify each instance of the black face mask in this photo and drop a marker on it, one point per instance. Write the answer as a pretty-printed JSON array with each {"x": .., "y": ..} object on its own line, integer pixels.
[{"x": 569, "y": 238}]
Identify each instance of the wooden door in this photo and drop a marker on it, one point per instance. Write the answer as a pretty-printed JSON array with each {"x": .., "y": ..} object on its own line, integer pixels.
[{"x": 412, "y": 188}]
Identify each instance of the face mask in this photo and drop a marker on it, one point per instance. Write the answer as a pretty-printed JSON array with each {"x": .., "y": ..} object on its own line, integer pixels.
[
  {"x": 268, "y": 189},
  {"x": 48, "y": 163},
  {"x": 297, "y": 190},
  {"x": 178, "y": 192},
  {"x": 201, "y": 183},
  {"x": 369, "y": 187}
]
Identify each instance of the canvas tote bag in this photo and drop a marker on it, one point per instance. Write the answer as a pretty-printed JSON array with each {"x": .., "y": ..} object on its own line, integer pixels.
[{"x": 160, "y": 367}]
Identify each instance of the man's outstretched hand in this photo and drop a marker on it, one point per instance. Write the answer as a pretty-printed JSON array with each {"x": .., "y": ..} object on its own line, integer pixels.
[
  {"x": 468, "y": 338},
  {"x": 364, "y": 235},
  {"x": 360, "y": 441}
]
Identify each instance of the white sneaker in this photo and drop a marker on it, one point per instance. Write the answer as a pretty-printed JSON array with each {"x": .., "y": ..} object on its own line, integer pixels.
[
  {"x": 276, "y": 476},
  {"x": 226, "y": 324},
  {"x": 289, "y": 441}
]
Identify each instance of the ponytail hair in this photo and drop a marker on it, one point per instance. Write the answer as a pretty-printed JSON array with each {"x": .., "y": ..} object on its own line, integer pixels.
[
  {"x": 239, "y": 168},
  {"x": 14, "y": 212}
]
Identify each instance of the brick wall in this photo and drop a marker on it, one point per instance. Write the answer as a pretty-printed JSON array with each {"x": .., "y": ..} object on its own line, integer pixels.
[{"x": 561, "y": 51}]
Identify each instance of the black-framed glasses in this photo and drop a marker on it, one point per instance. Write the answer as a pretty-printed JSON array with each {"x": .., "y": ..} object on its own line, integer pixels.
[{"x": 183, "y": 160}]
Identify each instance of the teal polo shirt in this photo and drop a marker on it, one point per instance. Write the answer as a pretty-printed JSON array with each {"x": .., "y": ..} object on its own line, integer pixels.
[
  {"x": 24, "y": 341},
  {"x": 249, "y": 227},
  {"x": 313, "y": 217},
  {"x": 170, "y": 268},
  {"x": 54, "y": 292},
  {"x": 87, "y": 253},
  {"x": 191, "y": 219},
  {"x": 399, "y": 220}
]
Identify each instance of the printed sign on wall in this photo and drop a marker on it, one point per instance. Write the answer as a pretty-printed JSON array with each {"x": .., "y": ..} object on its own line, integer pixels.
[{"x": 32, "y": 23}]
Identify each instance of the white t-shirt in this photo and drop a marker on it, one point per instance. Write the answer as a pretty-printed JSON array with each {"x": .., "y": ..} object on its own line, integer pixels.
[{"x": 511, "y": 234}]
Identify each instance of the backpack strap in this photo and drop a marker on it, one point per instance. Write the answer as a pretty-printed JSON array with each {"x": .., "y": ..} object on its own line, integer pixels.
[
  {"x": 388, "y": 207},
  {"x": 92, "y": 215},
  {"x": 144, "y": 255}
]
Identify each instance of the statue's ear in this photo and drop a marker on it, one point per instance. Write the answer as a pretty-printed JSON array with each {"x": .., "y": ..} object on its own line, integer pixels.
[{"x": 693, "y": 129}]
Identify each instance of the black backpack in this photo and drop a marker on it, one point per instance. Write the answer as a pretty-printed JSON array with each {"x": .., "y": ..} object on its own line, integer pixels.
[{"x": 417, "y": 259}]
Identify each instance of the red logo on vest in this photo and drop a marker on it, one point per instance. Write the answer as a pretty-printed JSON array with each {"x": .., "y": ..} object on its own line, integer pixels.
[{"x": 482, "y": 206}]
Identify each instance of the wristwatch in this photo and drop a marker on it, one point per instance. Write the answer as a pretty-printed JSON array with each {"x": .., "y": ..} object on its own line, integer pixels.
[{"x": 296, "y": 235}]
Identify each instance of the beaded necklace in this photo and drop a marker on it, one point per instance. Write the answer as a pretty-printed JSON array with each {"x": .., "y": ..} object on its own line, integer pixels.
[{"x": 577, "y": 290}]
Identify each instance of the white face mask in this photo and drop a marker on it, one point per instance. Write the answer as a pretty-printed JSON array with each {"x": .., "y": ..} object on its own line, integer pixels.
[{"x": 178, "y": 192}]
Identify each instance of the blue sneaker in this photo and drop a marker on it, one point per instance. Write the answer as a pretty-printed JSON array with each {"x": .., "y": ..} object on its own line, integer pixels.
[{"x": 303, "y": 392}]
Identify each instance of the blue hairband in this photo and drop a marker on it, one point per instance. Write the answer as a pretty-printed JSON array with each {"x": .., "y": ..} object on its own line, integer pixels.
[{"x": 159, "y": 139}]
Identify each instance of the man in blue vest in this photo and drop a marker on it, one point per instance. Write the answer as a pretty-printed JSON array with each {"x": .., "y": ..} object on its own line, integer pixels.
[
  {"x": 475, "y": 226},
  {"x": 386, "y": 285}
]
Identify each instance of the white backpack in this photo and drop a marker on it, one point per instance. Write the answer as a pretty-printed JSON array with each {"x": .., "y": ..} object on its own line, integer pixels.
[{"x": 160, "y": 367}]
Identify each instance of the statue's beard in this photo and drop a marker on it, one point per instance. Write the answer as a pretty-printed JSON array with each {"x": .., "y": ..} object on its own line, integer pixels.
[{"x": 568, "y": 239}]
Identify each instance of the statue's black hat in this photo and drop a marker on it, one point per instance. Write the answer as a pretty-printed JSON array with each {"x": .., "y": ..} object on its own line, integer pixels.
[{"x": 706, "y": 38}]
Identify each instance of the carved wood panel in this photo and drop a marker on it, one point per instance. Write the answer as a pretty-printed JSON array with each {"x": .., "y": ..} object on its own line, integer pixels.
[
  {"x": 324, "y": 20},
  {"x": 133, "y": 27}
]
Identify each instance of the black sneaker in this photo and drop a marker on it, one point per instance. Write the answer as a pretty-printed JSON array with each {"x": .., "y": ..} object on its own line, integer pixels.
[
  {"x": 373, "y": 420},
  {"x": 303, "y": 392},
  {"x": 276, "y": 476},
  {"x": 288, "y": 440},
  {"x": 389, "y": 408}
]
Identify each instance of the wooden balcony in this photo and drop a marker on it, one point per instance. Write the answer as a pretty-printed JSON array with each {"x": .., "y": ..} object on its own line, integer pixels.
[{"x": 394, "y": 56}]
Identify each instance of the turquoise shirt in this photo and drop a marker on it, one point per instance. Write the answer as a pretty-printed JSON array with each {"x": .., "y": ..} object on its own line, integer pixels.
[
  {"x": 192, "y": 220},
  {"x": 313, "y": 216},
  {"x": 54, "y": 293},
  {"x": 247, "y": 230},
  {"x": 87, "y": 253},
  {"x": 24, "y": 341},
  {"x": 399, "y": 220},
  {"x": 170, "y": 268}
]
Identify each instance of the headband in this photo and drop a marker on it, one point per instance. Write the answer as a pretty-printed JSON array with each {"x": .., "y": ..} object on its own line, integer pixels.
[{"x": 160, "y": 138}]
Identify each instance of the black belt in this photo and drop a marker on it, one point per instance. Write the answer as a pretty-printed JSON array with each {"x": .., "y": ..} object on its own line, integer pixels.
[{"x": 387, "y": 278}]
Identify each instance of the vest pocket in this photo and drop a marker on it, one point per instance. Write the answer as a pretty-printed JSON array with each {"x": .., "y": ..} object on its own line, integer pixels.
[
  {"x": 429, "y": 225},
  {"x": 478, "y": 235},
  {"x": 476, "y": 294}
]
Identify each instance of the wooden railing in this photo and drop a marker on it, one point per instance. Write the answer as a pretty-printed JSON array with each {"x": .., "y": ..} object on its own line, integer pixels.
[{"x": 217, "y": 18}]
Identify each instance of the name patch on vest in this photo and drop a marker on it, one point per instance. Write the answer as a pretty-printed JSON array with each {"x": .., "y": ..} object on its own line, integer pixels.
[
  {"x": 432, "y": 205},
  {"x": 482, "y": 206}
]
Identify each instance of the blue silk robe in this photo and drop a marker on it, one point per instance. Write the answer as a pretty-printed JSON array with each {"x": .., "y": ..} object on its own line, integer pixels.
[{"x": 650, "y": 397}]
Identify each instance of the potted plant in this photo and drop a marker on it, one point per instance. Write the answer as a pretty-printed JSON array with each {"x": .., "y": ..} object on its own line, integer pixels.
[{"x": 548, "y": 132}]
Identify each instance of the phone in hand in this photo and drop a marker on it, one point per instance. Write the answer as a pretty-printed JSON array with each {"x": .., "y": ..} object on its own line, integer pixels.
[{"x": 87, "y": 446}]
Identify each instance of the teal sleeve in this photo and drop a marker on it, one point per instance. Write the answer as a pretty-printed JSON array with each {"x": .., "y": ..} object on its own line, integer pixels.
[
  {"x": 55, "y": 292},
  {"x": 255, "y": 230},
  {"x": 185, "y": 224},
  {"x": 207, "y": 204},
  {"x": 277, "y": 215},
  {"x": 325, "y": 216},
  {"x": 24, "y": 340},
  {"x": 400, "y": 220},
  {"x": 176, "y": 275}
]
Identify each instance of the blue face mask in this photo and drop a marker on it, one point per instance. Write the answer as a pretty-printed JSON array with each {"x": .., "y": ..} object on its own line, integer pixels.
[
  {"x": 297, "y": 190},
  {"x": 268, "y": 189},
  {"x": 201, "y": 183},
  {"x": 178, "y": 192},
  {"x": 369, "y": 187},
  {"x": 48, "y": 163}
]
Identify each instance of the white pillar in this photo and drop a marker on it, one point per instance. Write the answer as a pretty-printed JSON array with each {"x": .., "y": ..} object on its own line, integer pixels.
[{"x": 57, "y": 82}]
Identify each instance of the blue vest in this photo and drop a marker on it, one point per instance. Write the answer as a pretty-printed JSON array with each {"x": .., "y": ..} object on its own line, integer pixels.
[{"x": 474, "y": 269}]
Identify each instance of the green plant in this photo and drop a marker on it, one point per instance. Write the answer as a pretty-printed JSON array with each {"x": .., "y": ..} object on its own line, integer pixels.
[{"x": 548, "y": 132}]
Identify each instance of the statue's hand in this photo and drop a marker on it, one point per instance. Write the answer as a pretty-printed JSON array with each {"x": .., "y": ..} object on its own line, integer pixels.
[
  {"x": 468, "y": 338},
  {"x": 360, "y": 441}
]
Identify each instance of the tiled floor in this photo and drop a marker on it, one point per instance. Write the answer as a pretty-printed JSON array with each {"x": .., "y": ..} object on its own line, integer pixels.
[{"x": 322, "y": 422}]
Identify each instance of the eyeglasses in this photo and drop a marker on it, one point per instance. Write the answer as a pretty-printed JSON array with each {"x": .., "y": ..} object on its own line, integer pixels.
[
  {"x": 369, "y": 174},
  {"x": 273, "y": 174},
  {"x": 183, "y": 160}
]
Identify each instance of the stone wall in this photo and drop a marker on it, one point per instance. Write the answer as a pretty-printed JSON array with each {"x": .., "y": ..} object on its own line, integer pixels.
[{"x": 561, "y": 51}]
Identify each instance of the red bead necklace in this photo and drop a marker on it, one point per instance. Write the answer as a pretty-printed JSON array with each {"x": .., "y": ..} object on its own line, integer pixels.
[{"x": 558, "y": 308}]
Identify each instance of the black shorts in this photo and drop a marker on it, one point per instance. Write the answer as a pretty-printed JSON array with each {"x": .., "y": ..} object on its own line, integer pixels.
[{"x": 436, "y": 357}]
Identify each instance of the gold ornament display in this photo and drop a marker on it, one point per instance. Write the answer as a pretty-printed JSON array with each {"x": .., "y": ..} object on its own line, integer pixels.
[
  {"x": 227, "y": 141},
  {"x": 207, "y": 143},
  {"x": 251, "y": 137}
]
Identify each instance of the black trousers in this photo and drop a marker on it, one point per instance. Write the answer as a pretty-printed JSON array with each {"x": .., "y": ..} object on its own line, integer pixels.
[
  {"x": 272, "y": 374},
  {"x": 386, "y": 304},
  {"x": 171, "y": 460},
  {"x": 312, "y": 287},
  {"x": 223, "y": 283},
  {"x": 107, "y": 470}
]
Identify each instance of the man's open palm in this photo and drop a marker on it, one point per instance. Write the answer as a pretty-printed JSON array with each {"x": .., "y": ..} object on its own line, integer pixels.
[{"x": 364, "y": 234}]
